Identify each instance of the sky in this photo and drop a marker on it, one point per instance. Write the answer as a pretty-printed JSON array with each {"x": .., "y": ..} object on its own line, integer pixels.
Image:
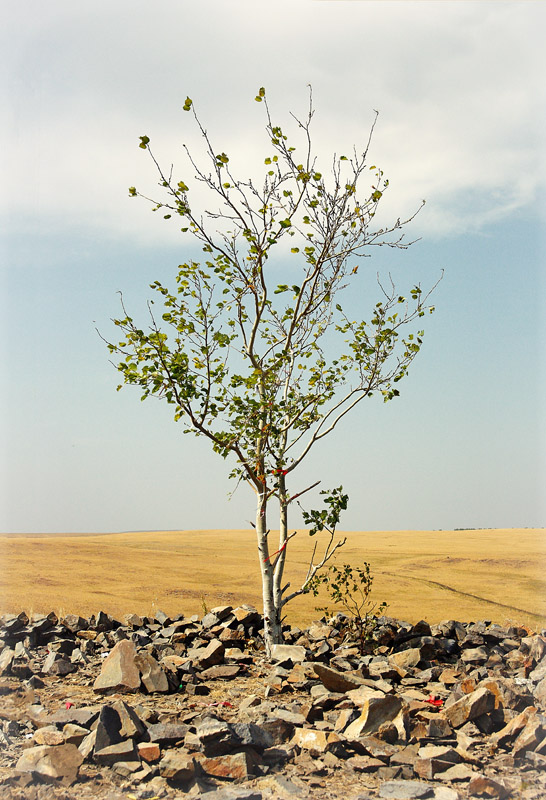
[{"x": 460, "y": 92}]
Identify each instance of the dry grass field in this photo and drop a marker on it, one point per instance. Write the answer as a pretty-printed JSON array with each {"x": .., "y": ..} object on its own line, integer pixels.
[{"x": 433, "y": 575}]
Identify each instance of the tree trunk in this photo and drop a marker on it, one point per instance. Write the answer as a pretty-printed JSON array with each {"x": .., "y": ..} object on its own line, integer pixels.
[
  {"x": 283, "y": 539},
  {"x": 272, "y": 622}
]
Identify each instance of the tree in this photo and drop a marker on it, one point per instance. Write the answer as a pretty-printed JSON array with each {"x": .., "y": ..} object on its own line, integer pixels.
[{"x": 265, "y": 370}]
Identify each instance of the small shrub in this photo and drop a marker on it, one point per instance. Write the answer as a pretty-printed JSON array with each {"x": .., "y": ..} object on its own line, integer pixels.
[{"x": 350, "y": 588}]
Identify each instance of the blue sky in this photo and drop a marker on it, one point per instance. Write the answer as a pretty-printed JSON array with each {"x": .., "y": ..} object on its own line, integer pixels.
[{"x": 461, "y": 96}]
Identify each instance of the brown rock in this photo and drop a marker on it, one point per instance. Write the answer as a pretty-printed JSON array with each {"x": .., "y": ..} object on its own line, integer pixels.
[
  {"x": 119, "y": 671},
  {"x": 375, "y": 711},
  {"x": 149, "y": 751},
  {"x": 221, "y": 672},
  {"x": 530, "y": 737},
  {"x": 236, "y": 766},
  {"x": 435, "y": 759},
  {"x": 209, "y": 656},
  {"x": 469, "y": 707},
  {"x": 406, "y": 659},
  {"x": 458, "y": 772},
  {"x": 177, "y": 766},
  {"x": 365, "y": 763},
  {"x": 512, "y": 730},
  {"x": 429, "y": 768},
  {"x": 288, "y": 652},
  {"x": 153, "y": 677},
  {"x": 315, "y": 741},
  {"x": 131, "y": 724},
  {"x": 74, "y": 734},
  {"x": 480, "y": 786},
  {"x": 120, "y": 751},
  {"x": 60, "y": 762},
  {"x": 49, "y": 735},
  {"x": 336, "y": 681}
]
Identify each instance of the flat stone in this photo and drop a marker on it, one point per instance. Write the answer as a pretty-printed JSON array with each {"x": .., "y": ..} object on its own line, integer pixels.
[
  {"x": 149, "y": 751},
  {"x": 87, "y": 745},
  {"x": 288, "y": 652},
  {"x": 121, "y": 751},
  {"x": 530, "y": 737},
  {"x": 406, "y": 659},
  {"x": 281, "y": 786},
  {"x": 280, "y": 729},
  {"x": 221, "y": 672},
  {"x": 49, "y": 735},
  {"x": 405, "y": 790},
  {"x": 365, "y": 763},
  {"x": 317, "y": 742},
  {"x": 177, "y": 766},
  {"x": 60, "y": 762},
  {"x": 119, "y": 671},
  {"x": 77, "y": 716},
  {"x": 514, "y": 727},
  {"x": 237, "y": 766},
  {"x": 167, "y": 732},
  {"x": 458, "y": 772},
  {"x": 440, "y": 751},
  {"x": 336, "y": 681},
  {"x": 445, "y": 793},
  {"x": 234, "y": 794},
  {"x": 57, "y": 665},
  {"x": 475, "y": 655},
  {"x": 6, "y": 657},
  {"x": 430, "y": 768}
]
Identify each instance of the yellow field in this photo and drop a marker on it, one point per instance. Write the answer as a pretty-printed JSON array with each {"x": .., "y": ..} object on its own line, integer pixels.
[{"x": 465, "y": 575}]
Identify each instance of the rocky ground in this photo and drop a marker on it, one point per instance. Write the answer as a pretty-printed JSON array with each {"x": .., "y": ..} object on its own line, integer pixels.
[{"x": 188, "y": 707}]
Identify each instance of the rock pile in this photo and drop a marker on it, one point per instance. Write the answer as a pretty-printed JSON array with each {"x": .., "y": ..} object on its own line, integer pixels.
[{"x": 160, "y": 707}]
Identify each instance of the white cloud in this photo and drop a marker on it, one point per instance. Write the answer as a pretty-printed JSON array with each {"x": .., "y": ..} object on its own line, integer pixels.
[{"x": 459, "y": 87}]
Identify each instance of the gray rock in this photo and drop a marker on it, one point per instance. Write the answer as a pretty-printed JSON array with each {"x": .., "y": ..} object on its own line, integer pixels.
[
  {"x": 6, "y": 657},
  {"x": 253, "y": 735},
  {"x": 216, "y": 736},
  {"x": 167, "y": 733},
  {"x": 108, "y": 728},
  {"x": 153, "y": 677},
  {"x": 406, "y": 790},
  {"x": 288, "y": 652}
]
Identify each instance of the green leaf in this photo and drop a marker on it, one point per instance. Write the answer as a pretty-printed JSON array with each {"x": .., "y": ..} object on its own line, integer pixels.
[
  {"x": 188, "y": 104},
  {"x": 285, "y": 223},
  {"x": 132, "y": 191},
  {"x": 144, "y": 140}
]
